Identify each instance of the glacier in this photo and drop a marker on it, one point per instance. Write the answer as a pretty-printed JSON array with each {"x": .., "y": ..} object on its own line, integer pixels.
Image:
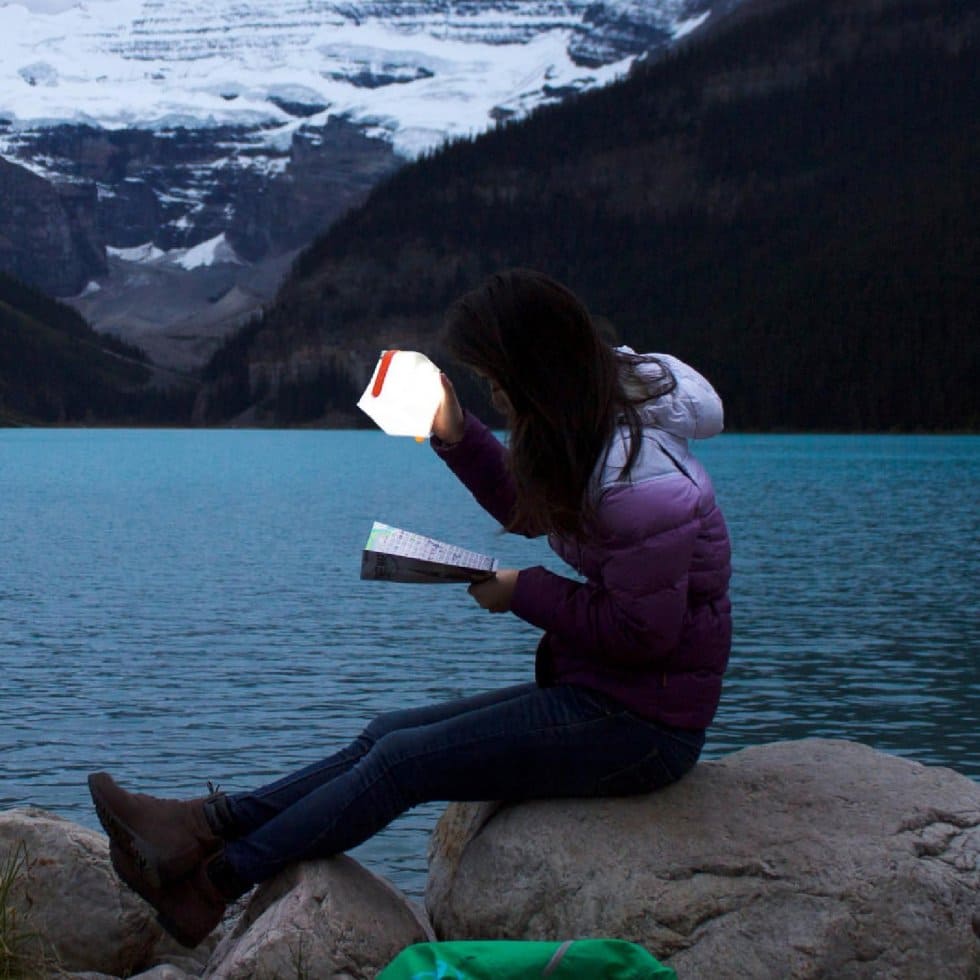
[{"x": 417, "y": 72}]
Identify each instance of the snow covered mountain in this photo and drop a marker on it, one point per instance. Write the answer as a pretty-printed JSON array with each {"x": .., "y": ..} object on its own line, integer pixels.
[
  {"x": 165, "y": 124},
  {"x": 416, "y": 72}
]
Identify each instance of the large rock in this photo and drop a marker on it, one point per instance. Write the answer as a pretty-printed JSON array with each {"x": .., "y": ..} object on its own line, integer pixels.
[
  {"x": 319, "y": 920},
  {"x": 807, "y": 859},
  {"x": 68, "y": 897}
]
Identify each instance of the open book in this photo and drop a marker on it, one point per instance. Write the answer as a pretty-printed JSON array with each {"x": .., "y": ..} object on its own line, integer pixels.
[{"x": 394, "y": 555}]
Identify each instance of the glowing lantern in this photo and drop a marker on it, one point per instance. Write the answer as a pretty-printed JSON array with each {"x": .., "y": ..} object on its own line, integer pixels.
[{"x": 403, "y": 393}]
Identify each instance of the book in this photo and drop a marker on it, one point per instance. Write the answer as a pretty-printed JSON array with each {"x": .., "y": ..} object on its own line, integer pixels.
[{"x": 394, "y": 555}]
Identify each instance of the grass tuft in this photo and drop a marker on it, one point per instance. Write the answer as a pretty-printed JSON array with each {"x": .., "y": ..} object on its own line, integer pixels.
[{"x": 17, "y": 962}]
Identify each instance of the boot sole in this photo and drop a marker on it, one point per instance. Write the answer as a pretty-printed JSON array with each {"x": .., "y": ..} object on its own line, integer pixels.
[
  {"x": 133, "y": 882},
  {"x": 134, "y": 846}
]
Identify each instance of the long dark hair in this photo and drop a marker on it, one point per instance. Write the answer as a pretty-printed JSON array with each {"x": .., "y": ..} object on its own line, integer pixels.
[{"x": 537, "y": 341}]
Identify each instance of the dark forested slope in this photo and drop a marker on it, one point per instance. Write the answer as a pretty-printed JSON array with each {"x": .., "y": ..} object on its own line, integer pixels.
[
  {"x": 789, "y": 202},
  {"x": 54, "y": 369}
]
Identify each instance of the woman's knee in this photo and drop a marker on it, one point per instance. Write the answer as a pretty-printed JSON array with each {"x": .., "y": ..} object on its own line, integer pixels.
[{"x": 382, "y": 725}]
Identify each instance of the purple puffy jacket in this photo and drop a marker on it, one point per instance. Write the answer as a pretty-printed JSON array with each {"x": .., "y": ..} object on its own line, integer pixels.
[{"x": 650, "y": 625}]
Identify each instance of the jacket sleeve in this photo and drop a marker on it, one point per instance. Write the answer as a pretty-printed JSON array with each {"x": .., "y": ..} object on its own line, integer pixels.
[
  {"x": 632, "y": 614},
  {"x": 479, "y": 460}
]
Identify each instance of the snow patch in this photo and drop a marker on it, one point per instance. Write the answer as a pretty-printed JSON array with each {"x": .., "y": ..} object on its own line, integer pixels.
[
  {"x": 684, "y": 27},
  {"x": 211, "y": 252},
  {"x": 147, "y": 252},
  {"x": 40, "y": 73}
]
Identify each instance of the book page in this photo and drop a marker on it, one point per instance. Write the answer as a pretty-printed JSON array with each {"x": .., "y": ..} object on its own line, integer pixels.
[{"x": 396, "y": 555}]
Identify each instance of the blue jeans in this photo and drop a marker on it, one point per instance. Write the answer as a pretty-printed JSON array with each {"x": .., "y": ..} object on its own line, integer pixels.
[{"x": 518, "y": 743}]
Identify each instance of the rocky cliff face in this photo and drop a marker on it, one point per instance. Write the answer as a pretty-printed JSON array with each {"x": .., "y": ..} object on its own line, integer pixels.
[
  {"x": 328, "y": 170},
  {"x": 48, "y": 233},
  {"x": 175, "y": 188}
]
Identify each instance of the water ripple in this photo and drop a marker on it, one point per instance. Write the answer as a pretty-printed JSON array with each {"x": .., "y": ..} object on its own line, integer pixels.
[{"x": 184, "y": 606}]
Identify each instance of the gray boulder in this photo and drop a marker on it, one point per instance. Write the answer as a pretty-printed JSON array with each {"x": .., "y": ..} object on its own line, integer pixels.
[
  {"x": 67, "y": 897},
  {"x": 319, "y": 920},
  {"x": 808, "y": 859},
  {"x": 163, "y": 972},
  {"x": 166, "y": 971}
]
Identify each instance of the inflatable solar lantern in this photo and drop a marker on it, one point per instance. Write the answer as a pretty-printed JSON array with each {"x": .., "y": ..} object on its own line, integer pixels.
[{"x": 403, "y": 394}]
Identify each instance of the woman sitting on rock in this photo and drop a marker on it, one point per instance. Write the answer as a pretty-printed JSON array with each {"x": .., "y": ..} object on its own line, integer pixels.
[{"x": 629, "y": 668}]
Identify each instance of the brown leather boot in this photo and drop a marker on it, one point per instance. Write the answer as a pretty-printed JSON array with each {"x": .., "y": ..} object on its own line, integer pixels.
[
  {"x": 189, "y": 909},
  {"x": 165, "y": 838}
]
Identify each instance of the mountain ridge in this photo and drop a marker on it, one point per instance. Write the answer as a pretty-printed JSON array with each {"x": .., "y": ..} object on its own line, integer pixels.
[
  {"x": 56, "y": 370},
  {"x": 787, "y": 203},
  {"x": 165, "y": 125},
  {"x": 237, "y": 62}
]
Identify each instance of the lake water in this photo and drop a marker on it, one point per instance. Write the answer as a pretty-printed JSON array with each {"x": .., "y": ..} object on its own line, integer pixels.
[{"x": 184, "y": 606}]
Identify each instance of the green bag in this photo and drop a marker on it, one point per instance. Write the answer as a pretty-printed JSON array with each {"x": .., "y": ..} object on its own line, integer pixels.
[{"x": 503, "y": 959}]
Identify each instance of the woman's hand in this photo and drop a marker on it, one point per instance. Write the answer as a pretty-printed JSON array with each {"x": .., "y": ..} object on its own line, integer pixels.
[
  {"x": 494, "y": 594},
  {"x": 449, "y": 423}
]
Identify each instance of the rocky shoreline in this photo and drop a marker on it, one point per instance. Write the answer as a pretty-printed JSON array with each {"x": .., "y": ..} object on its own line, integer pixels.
[{"x": 805, "y": 859}]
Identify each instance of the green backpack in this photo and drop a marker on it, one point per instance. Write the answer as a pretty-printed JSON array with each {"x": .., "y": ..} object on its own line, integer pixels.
[{"x": 502, "y": 959}]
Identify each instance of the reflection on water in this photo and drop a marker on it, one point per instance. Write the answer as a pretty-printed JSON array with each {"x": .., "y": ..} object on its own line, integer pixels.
[{"x": 183, "y": 606}]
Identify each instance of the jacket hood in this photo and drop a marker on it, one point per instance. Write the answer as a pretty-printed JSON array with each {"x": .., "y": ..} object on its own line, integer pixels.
[{"x": 691, "y": 410}]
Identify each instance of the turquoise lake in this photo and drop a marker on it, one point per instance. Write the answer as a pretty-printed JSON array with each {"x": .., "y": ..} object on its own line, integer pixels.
[{"x": 184, "y": 606}]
